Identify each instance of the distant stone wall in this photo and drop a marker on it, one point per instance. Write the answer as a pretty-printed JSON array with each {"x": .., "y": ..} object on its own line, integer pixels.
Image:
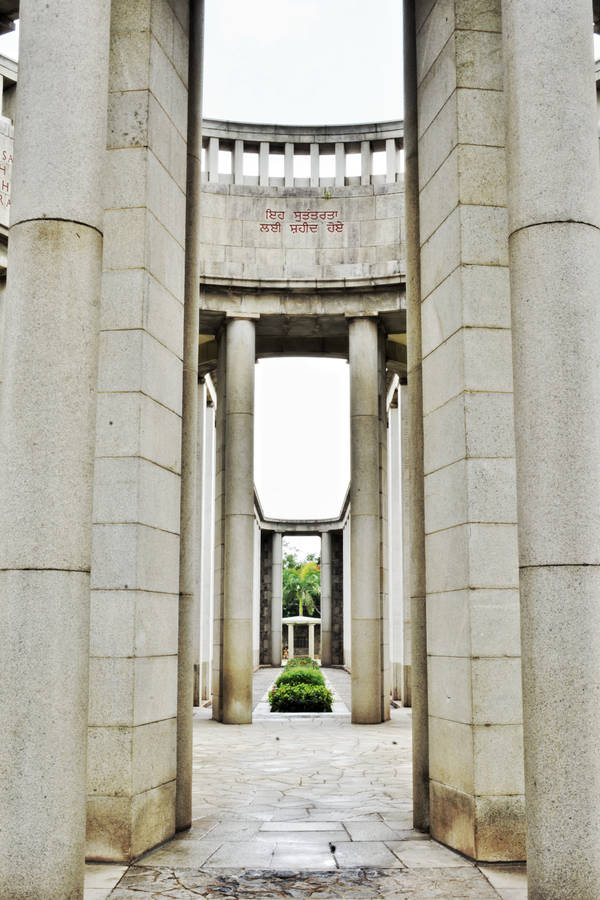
[
  {"x": 262, "y": 222},
  {"x": 302, "y": 234},
  {"x": 266, "y": 587},
  {"x": 337, "y": 599}
]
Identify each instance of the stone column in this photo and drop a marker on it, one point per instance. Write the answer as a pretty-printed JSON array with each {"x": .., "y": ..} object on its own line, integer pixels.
[
  {"x": 290, "y": 641},
  {"x": 201, "y": 396},
  {"x": 347, "y": 596},
  {"x": 554, "y": 243},
  {"x": 470, "y": 485},
  {"x": 276, "y": 598},
  {"x": 206, "y": 569},
  {"x": 365, "y": 521},
  {"x": 47, "y": 451},
  {"x": 188, "y": 545},
  {"x": 311, "y": 641},
  {"x": 238, "y": 162},
  {"x": 405, "y": 464},
  {"x": 238, "y": 560},
  {"x": 136, "y": 518},
  {"x": 396, "y": 569},
  {"x": 314, "y": 165},
  {"x": 340, "y": 164},
  {"x": 326, "y": 622},
  {"x": 414, "y": 503}
]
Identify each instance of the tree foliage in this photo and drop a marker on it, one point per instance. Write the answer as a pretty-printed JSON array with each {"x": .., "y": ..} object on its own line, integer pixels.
[{"x": 301, "y": 585}]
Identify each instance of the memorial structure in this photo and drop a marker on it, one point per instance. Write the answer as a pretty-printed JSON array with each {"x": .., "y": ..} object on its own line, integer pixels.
[{"x": 458, "y": 274}]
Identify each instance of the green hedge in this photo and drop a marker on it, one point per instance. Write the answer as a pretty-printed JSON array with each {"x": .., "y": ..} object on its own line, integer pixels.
[
  {"x": 300, "y": 698},
  {"x": 302, "y": 661},
  {"x": 300, "y": 675}
]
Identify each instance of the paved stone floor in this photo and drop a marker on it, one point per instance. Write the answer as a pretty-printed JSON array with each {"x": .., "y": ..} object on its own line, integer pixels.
[{"x": 304, "y": 807}]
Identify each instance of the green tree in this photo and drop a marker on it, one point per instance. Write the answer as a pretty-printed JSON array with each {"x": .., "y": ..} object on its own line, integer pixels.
[{"x": 301, "y": 585}]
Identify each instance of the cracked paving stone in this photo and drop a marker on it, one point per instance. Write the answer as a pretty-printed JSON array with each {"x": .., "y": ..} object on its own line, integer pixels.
[{"x": 263, "y": 884}]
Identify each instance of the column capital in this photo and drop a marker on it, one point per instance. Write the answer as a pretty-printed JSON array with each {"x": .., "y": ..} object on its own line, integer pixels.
[{"x": 242, "y": 315}]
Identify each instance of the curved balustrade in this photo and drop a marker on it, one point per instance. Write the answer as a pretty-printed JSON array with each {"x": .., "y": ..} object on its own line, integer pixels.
[{"x": 302, "y": 156}]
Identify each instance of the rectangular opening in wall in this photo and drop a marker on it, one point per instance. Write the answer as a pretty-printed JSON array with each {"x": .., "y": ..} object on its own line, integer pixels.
[
  {"x": 276, "y": 165},
  {"x": 225, "y": 162},
  {"x": 301, "y": 165},
  {"x": 378, "y": 163},
  {"x": 250, "y": 163},
  {"x": 327, "y": 165},
  {"x": 352, "y": 165},
  {"x": 203, "y": 162}
]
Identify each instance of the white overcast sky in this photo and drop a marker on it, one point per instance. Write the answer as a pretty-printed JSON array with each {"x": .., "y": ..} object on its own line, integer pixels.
[{"x": 300, "y": 62}]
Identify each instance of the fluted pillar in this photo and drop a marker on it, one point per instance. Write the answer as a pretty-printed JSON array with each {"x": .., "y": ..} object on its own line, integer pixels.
[
  {"x": 238, "y": 562},
  {"x": 365, "y": 534},
  {"x": 554, "y": 245},
  {"x": 50, "y": 365},
  {"x": 276, "y": 598},
  {"x": 326, "y": 623}
]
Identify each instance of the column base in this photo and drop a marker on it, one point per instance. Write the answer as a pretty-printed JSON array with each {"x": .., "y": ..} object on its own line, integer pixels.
[{"x": 488, "y": 829}]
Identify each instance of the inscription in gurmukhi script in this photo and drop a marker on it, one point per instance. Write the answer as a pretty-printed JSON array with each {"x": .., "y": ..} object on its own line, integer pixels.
[{"x": 304, "y": 221}]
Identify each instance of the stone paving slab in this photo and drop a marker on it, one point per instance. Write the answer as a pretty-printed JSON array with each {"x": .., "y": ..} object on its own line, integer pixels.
[
  {"x": 307, "y": 808},
  {"x": 362, "y": 883}
]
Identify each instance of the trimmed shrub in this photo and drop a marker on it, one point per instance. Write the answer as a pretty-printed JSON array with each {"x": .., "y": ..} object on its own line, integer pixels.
[
  {"x": 302, "y": 661},
  {"x": 300, "y": 698},
  {"x": 300, "y": 675}
]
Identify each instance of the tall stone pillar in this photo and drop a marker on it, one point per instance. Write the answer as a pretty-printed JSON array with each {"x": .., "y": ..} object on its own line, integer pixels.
[
  {"x": 413, "y": 503},
  {"x": 238, "y": 562},
  {"x": 188, "y": 545},
  {"x": 201, "y": 397},
  {"x": 132, "y": 743},
  {"x": 326, "y": 585},
  {"x": 554, "y": 242},
  {"x": 47, "y": 451},
  {"x": 206, "y": 568},
  {"x": 365, "y": 535},
  {"x": 219, "y": 525},
  {"x": 405, "y": 464},
  {"x": 475, "y": 747},
  {"x": 395, "y": 562},
  {"x": 276, "y": 598}
]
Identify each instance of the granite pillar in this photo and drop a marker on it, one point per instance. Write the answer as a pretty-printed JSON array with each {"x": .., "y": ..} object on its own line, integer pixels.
[
  {"x": 290, "y": 641},
  {"x": 470, "y": 484},
  {"x": 206, "y": 568},
  {"x": 276, "y": 598},
  {"x": 414, "y": 503},
  {"x": 132, "y": 740},
  {"x": 47, "y": 450},
  {"x": 188, "y": 545},
  {"x": 238, "y": 563},
  {"x": 197, "y": 624},
  {"x": 554, "y": 246},
  {"x": 326, "y": 584},
  {"x": 365, "y": 516},
  {"x": 396, "y": 569}
]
